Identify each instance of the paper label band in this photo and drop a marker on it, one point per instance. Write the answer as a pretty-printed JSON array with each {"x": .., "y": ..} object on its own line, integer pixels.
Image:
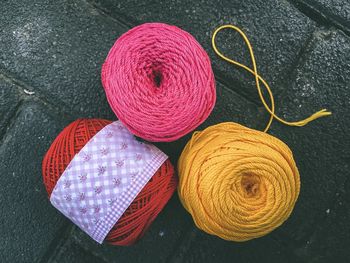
[{"x": 104, "y": 178}]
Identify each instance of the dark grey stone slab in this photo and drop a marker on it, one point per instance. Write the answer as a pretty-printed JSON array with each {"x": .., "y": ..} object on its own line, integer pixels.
[
  {"x": 205, "y": 248},
  {"x": 28, "y": 222},
  {"x": 337, "y": 11},
  {"x": 9, "y": 99},
  {"x": 57, "y": 48},
  {"x": 331, "y": 240},
  {"x": 72, "y": 252},
  {"x": 277, "y": 31},
  {"x": 157, "y": 245},
  {"x": 321, "y": 149}
]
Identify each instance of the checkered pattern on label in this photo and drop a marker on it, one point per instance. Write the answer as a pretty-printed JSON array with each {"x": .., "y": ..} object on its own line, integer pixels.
[{"x": 104, "y": 178}]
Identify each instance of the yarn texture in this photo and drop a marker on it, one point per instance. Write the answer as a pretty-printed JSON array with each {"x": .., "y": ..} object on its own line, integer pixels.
[
  {"x": 159, "y": 82},
  {"x": 237, "y": 183},
  {"x": 146, "y": 206}
]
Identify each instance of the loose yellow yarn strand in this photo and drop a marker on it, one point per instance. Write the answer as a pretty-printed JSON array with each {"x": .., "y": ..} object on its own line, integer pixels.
[{"x": 258, "y": 78}]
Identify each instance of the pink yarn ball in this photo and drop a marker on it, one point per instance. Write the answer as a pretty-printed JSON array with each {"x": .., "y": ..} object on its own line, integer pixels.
[{"x": 159, "y": 82}]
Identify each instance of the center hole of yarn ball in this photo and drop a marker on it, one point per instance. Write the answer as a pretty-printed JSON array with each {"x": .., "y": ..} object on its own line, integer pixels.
[
  {"x": 250, "y": 184},
  {"x": 157, "y": 77}
]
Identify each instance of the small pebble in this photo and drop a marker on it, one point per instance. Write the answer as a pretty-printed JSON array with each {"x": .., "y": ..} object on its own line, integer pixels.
[{"x": 28, "y": 92}]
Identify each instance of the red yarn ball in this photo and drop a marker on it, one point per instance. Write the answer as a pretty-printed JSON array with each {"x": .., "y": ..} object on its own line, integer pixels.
[{"x": 146, "y": 206}]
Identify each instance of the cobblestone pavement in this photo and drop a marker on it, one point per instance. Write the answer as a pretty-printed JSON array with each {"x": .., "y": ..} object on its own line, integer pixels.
[{"x": 50, "y": 60}]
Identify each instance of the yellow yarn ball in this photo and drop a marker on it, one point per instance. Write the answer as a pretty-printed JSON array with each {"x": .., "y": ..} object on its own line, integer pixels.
[{"x": 237, "y": 183}]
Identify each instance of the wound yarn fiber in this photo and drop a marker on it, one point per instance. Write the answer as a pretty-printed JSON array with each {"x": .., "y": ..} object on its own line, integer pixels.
[
  {"x": 236, "y": 182},
  {"x": 145, "y": 207},
  {"x": 159, "y": 82}
]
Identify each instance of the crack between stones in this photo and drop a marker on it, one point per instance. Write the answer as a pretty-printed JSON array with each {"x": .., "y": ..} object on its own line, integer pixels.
[
  {"x": 63, "y": 241},
  {"x": 21, "y": 86},
  {"x": 224, "y": 82},
  {"x": 291, "y": 73},
  {"x": 121, "y": 20},
  {"x": 10, "y": 121},
  {"x": 318, "y": 16},
  {"x": 60, "y": 239}
]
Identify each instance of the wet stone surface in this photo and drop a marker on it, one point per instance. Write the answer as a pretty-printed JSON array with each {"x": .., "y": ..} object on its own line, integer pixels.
[{"x": 50, "y": 63}]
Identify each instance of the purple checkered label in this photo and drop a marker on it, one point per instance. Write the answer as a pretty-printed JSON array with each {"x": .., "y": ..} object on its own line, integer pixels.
[{"x": 104, "y": 178}]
